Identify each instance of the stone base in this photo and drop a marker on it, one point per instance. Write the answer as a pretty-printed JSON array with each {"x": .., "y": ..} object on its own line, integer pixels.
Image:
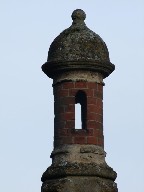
[
  {"x": 79, "y": 168},
  {"x": 79, "y": 184}
]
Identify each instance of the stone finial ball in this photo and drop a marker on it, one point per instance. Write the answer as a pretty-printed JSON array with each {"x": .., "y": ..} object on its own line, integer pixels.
[{"x": 78, "y": 14}]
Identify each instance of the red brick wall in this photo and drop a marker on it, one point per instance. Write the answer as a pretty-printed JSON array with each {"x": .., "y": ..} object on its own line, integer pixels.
[{"x": 64, "y": 109}]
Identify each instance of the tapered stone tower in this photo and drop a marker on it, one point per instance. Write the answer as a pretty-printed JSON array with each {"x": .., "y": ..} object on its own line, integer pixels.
[{"x": 78, "y": 61}]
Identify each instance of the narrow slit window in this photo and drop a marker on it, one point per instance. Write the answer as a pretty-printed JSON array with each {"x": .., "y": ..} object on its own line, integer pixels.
[
  {"x": 80, "y": 110},
  {"x": 78, "y": 122}
]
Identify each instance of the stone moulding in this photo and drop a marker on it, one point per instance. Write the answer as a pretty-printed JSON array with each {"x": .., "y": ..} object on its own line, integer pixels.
[
  {"x": 79, "y": 169},
  {"x": 77, "y": 160},
  {"x": 53, "y": 68}
]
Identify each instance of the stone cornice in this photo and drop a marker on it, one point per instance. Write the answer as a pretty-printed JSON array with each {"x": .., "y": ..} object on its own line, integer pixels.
[
  {"x": 52, "y": 69},
  {"x": 79, "y": 169}
]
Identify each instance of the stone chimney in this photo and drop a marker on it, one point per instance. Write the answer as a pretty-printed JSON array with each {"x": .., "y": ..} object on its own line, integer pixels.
[{"x": 78, "y": 61}]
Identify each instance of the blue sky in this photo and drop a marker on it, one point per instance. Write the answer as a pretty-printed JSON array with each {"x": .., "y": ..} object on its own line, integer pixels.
[{"x": 26, "y": 99}]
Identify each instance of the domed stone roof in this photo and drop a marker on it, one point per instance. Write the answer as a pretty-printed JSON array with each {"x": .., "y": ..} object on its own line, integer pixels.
[{"x": 78, "y": 47}]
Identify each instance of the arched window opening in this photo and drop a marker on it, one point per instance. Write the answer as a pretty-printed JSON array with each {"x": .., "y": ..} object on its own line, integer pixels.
[{"x": 80, "y": 110}]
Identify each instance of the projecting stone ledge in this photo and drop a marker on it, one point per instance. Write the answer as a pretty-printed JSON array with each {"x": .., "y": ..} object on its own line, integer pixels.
[{"x": 79, "y": 169}]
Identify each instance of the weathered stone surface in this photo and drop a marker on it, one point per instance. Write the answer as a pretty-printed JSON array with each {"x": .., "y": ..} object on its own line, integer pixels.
[
  {"x": 79, "y": 75},
  {"x": 78, "y": 48},
  {"x": 76, "y": 153},
  {"x": 79, "y": 184},
  {"x": 75, "y": 165},
  {"x": 78, "y": 42},
  {"x": 79, "y": 169}
]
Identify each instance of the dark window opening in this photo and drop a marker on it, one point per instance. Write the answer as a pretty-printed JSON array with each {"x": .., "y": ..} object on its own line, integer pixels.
[{"x": 80, "y": 110}]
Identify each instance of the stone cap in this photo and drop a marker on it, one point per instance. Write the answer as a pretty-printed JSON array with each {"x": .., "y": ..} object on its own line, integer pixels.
[{"x": 78, "y": 48}]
